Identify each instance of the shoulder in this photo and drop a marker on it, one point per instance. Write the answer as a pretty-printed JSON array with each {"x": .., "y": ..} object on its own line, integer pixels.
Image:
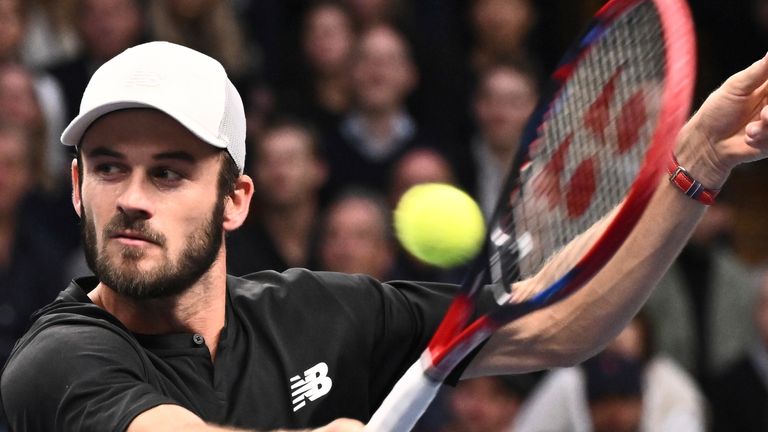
[
  {"x": 64, "y": 332},
  {"x": 69, "y": 340},
  {"x": 77, "y": 373},
  {"x": 354, "y": 296},
  {"x": 300, "y": 291},
  {"x": 299, "y": 281}
]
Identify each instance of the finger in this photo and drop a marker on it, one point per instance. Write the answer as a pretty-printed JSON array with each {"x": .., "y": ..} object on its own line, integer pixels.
[
  {"x": 750, "y": 79},
  {"x": 757, "y": 130}
]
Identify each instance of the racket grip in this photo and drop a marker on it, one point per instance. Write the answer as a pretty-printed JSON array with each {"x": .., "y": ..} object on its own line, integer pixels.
[{"x": 407, "y": 401}]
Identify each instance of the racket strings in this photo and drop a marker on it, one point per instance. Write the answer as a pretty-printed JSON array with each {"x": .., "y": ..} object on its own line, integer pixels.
[{"x": 589, "y": 149}]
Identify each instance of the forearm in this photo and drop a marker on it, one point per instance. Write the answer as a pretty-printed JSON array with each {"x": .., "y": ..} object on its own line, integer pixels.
[{"x": 579, "y": 326}]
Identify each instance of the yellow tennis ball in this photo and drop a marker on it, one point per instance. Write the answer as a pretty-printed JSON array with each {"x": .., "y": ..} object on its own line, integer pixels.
[{"x": 439, "y": 224}]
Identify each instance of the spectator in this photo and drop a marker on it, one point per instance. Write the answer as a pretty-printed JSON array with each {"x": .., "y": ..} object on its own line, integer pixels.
[
  {"x": 487, "y": 404},
  {"x": 50, "y": 35},
  {"x": 22, "y": 106},
  {"x": 281, "y": 231},
  {"x": 29, "y": 259},
  {"x": 356, "y": 236},
  {"x": 740, "y": 393},
  {"x": 378, "y": 130},
  {"x": 505, "y": 98},
  {"x": 21, "y": 85},
  {"x": 671, "y": 401},
  {"x": 321, "y": 91},
  {"x": 19, "y": 105},
  {"x": 697, "y": 313},
  {"x": 501, "y": 30},
  {"x": 106, "y": 28},
  {"x": 614, "y": 392},
  {"x": 208, "y": 26}
]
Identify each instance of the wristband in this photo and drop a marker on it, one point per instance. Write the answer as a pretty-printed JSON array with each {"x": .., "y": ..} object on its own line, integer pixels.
[{"x": 691, "y": 187}]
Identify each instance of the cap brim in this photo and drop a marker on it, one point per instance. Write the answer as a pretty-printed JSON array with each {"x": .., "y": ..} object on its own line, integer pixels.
[{"x": 74, "y": 132}]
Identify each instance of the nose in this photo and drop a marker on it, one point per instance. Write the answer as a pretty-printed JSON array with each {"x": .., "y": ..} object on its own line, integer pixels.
[{"x": 134, "y": 198}]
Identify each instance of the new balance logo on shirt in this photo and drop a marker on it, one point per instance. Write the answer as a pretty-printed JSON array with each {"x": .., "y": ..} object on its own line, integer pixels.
[{"x": 312, "y": 386}]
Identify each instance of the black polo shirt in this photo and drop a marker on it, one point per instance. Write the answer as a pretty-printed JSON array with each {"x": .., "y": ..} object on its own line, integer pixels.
[{"x": 299, "y": 349}]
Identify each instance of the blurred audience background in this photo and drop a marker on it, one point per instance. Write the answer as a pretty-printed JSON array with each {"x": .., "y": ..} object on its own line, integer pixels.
[{"x": 349, "y": 103}]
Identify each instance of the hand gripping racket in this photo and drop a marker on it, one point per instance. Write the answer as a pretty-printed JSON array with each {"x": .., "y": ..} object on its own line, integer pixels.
[{"x": 594, "y": 149}]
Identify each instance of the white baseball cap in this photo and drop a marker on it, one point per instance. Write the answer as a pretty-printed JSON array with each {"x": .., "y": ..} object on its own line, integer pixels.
[{"x": 183, "y": 83}]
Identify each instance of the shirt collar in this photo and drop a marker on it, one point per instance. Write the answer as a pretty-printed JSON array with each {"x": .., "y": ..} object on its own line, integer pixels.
[{"x": 355, "y": 129}]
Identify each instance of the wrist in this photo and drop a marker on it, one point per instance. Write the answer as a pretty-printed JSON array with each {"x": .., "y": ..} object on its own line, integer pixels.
[
  {"x": 695, "y": 151},
  {"x": 688, "y": 185}
]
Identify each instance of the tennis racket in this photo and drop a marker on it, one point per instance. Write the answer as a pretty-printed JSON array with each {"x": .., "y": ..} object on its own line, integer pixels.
[{"x": 594, "y": 150}]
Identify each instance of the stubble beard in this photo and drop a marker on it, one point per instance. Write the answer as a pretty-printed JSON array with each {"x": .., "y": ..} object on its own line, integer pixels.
[{"x": 167, "y": 277}]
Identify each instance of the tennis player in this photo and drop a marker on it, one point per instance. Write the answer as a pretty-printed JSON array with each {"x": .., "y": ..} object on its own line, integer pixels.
[{"x": 163, "y": 340}]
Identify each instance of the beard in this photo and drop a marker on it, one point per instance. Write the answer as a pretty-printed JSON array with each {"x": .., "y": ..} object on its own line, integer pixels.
[{"x": 168, "y": 277}]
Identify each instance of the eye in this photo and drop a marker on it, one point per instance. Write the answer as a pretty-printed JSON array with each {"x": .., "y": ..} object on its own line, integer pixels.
[
  {"x": 167, "y": 175},
  {"x": 107, "y": 169}
]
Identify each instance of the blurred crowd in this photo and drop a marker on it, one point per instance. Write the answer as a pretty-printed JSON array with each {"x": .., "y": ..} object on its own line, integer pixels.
[{"x": 351, "y": 102}]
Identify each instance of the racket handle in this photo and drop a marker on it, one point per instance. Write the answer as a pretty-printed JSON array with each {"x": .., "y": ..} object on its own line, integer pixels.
[{"x": 407, "y": 401}]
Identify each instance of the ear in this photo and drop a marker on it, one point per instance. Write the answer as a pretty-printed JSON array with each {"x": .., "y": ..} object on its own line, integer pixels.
[
  {"x": 76, "y": 198},
  {"x": 236, "y": 207}
]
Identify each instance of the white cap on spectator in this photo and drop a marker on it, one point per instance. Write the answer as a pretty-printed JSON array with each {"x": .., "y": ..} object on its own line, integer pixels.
[{"x": 183, "y": 83}]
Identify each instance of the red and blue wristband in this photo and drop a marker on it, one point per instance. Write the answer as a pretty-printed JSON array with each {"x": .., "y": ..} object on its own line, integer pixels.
[{"x": 691, "y": 187}]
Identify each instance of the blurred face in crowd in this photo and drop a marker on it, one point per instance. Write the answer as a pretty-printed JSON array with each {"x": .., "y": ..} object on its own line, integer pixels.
[
  {"x": 383, "y": 73},
  {"x": 502, "y": 25},
  {"x": 108, "y": 27},
  {"x": 15, "y": 170},
  {"x": 483, "y": 405},
  {"x": 148, "y": 199},
  {"x": 18, "y": 100},
  {"x": 286, "y": 170},
  {"x": 11, "y": 28},
  {"x": 355, "y": 238},
  {"x": 416, "y": 167},
  {"x": 328, "y": 39},
  {"x": 505, "y": 100}
]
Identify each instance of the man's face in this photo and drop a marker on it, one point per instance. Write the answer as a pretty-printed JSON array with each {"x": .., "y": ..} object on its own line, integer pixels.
[
  {"x": 328, "y": 39},
  {"x": 152, "y": 218},
  {"x": 504, "y": 103},
  {"x": 286, "y": 171},
  {"x": 382, "y": 73},
  {"x": 483, "y": 405},
  {"x": 502, "y": 24},
  {"x": 355, "y": 240},
  {"x": 18, "y": 103},
  {"x": 108, "y": 27}
]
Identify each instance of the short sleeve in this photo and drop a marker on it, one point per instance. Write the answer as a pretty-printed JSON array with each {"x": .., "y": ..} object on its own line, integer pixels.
[{"x": 75, "y": 378}]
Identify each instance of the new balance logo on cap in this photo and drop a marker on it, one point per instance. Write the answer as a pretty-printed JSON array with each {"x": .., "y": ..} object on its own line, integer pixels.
[{"x": 312, "y": 386}]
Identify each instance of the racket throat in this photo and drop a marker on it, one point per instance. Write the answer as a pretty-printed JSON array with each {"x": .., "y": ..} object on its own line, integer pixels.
[{"x": 439, "y": 361}]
